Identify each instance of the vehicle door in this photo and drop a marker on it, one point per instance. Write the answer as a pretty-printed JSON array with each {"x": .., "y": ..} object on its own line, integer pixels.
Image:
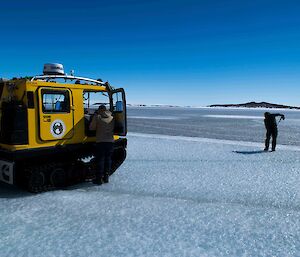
[
  {"x": 118, "y": 107},
  {"x": 56, "y": 117}
]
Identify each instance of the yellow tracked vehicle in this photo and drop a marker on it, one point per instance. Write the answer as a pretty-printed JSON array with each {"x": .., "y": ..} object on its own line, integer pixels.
[{"x": 45, "y": 141}]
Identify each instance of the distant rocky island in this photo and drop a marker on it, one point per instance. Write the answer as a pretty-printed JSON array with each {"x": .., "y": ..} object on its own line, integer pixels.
[{"x": 257, "y": 105}]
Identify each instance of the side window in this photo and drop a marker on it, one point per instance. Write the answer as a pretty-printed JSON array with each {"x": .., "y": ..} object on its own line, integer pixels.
[
  {"x": 55, "y": 101},
  {"x": 117, "y": 102},
  {"x": 92, "y": 100}
]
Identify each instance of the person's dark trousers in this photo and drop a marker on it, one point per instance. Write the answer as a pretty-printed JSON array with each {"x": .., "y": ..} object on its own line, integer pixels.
[
  {"x": 104, "y": 153},
  {"x": 271, "y": 133}
]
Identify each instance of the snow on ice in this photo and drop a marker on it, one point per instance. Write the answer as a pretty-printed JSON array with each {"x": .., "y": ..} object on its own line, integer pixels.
[{"x": 174, "y": 196}]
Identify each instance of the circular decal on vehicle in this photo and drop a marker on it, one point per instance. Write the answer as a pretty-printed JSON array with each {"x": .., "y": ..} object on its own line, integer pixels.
[{"x": 58, "y": 128}]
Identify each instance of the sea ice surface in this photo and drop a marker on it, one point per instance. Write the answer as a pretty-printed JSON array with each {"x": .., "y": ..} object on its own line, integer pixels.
[
  {"x": 216, "y": 123},
  {"x": 233, "y": 116},
  {"x": 173, "y": 196}
]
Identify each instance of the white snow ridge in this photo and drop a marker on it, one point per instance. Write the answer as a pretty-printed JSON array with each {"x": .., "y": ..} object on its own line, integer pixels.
[
  {"x": 234, "y": 116},
  {"x": 171, "y": 197}
]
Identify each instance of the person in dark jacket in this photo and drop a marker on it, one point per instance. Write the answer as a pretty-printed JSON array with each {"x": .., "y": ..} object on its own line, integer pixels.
[
  {"x": 271, "y": 127},
  {"x": 103, "y": 123}
]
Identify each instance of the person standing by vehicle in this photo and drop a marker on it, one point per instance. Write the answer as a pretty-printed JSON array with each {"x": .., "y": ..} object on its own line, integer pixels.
[
  {"x": 271, "y": 127},
  {"x": 103, "y": 123}
]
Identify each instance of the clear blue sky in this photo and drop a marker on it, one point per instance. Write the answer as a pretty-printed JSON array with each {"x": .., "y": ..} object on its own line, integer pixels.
[{"x": 168, "y": 52}]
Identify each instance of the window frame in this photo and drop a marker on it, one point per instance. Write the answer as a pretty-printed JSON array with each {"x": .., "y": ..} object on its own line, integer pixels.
[{"x": 66, "y": 94}]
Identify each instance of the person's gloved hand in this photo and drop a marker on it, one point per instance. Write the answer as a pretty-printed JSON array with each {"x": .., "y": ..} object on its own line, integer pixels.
[{"x": 283, "y": 117}]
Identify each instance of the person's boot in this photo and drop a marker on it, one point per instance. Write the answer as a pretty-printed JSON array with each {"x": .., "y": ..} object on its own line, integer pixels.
[
  {"x": 97, "y": 181},
  {"x": 105, "y": 178},
  {"x": 266, "y": 149}
]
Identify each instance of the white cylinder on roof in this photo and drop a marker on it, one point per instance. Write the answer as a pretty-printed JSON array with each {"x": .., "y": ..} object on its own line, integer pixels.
[{"x": 53, "y": 69}]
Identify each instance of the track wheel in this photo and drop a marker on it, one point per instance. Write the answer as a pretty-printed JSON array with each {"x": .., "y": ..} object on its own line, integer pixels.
[
  {"x": 36, "y": 181},
  {"x": 58, "y": 177}
]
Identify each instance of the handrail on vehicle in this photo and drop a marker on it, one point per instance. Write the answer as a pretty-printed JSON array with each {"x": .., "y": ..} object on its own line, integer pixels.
[{"x": 67, "y": 77}]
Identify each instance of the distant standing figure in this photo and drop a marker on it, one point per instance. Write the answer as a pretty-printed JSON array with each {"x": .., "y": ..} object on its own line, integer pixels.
[
  {"x": 271, "y": 127},
  {"x": 103, "y": 123}
]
